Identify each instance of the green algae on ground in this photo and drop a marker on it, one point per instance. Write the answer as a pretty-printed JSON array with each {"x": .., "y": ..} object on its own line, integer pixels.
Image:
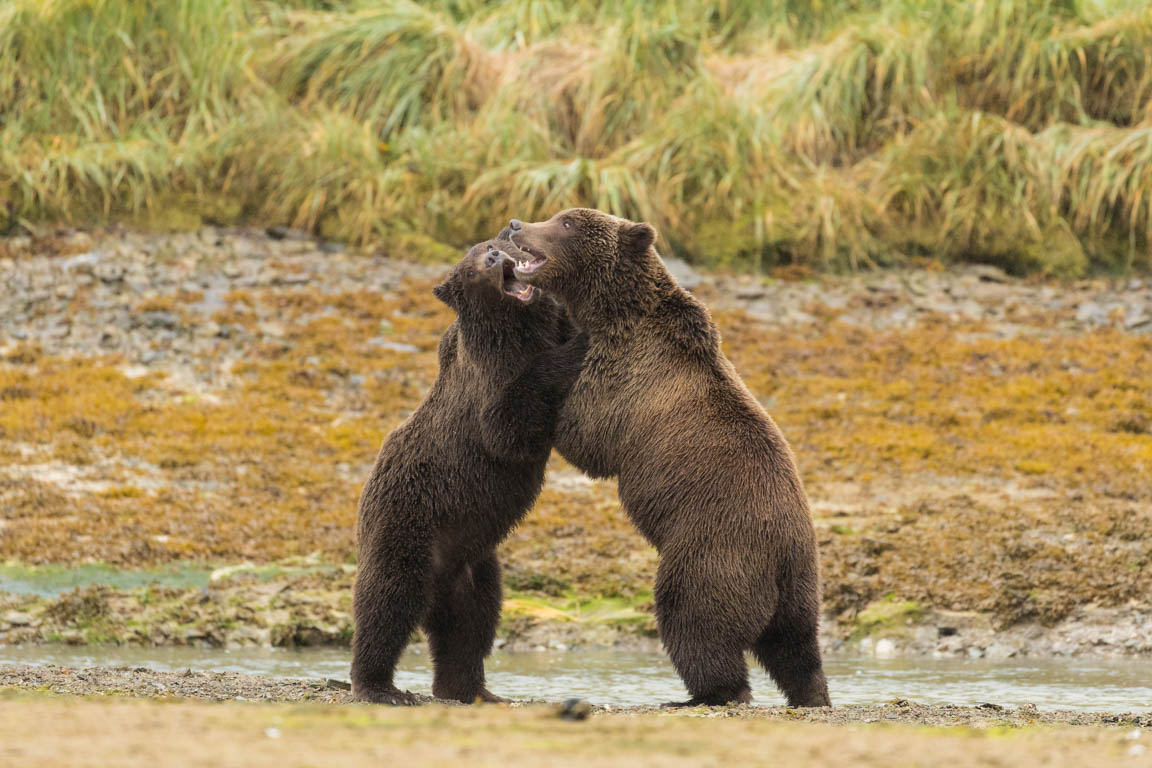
[
  {"x": 886, "y": 616},
  {"x": 53, "y": 579},
  {"x": 295, "y": 608}
]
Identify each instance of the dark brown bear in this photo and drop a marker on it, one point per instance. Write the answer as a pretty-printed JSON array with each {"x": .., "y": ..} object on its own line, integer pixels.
[
  {"x": 704, "y": 472},
  {"x": 452, "y": 481}
]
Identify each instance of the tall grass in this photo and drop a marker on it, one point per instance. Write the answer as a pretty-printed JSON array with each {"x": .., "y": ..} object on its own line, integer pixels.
[{"x": 844, "y": 134}]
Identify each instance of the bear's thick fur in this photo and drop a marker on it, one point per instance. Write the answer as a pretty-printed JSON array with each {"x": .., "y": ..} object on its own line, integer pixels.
[
  {"x": 704, "y": 472},
  {"x": 455, "y": 477}
]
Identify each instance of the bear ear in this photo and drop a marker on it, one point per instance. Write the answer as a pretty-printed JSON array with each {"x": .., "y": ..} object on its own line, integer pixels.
[
  {"x": 448, "y": 292},
  {"x": 636, "y": 237}
]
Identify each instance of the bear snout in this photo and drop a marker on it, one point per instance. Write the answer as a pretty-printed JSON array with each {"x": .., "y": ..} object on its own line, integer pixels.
[
  {"x": 492, "y": 257},
  {"x": 515, "y": 225}
]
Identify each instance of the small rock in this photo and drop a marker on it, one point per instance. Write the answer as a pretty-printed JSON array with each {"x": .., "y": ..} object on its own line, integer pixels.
[
  {"x": 986, "y": 273},
  {"x": 395, "y": 346},
  {"x": 1137, "y": 321},
  {"x": 1091, "y": 312},
  {"x": 885, "y": 648},
  {"x": 1000, "y": 651},
  {"x": 18, "y": 619},
  {"x": 287, "y": 233},
  {"x": 574, "y": 709},
  {"x": 340, "y": 685},
  {"x": 292, "y": 278},
  {"x": 109, "y": 272},
  {"x": 160, "y": 320},
  {"x": 750, "y": 292}
]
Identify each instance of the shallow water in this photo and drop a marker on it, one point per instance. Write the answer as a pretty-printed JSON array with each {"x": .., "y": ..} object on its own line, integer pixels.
[
  {"x": 53, "y": 580},
  {"x": 623, "y": 678}
]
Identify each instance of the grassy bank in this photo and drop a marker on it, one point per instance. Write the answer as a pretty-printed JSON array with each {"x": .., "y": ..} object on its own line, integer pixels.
[{"x": 837, "y": 134}]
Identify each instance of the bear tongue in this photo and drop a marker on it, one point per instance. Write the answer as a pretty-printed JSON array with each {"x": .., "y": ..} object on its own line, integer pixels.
[{"x": 520, "y": 290}]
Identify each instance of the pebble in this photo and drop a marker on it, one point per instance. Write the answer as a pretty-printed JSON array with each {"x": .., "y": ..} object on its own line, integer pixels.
[{"x": 18, "y": 619}]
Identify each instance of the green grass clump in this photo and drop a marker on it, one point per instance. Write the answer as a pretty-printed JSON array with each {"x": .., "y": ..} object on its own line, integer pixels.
[{"x": 837, "y": 135}]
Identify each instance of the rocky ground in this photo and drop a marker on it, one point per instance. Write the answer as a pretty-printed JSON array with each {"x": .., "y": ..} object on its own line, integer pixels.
[{"x": 976, "y": 447}]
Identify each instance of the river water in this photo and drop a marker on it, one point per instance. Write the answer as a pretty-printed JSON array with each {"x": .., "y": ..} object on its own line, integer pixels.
[{"x": 624, "y": 678}]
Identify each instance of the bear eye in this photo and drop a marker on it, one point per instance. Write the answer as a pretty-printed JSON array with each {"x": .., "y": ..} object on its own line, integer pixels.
[{"x": 567, "y": 225}]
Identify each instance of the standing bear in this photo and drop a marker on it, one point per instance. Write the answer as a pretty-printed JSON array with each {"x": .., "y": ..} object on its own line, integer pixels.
[
  {"x": 703, "y": 471},
  {"x": 455, "y": 477}
]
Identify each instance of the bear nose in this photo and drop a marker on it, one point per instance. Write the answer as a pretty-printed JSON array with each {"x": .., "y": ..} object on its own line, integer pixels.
[
  {"x": 516, "y": 225},
  {"x": 492, "y": 257}
]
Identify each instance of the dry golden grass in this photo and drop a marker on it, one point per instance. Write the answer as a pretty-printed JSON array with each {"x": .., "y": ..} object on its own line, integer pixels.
[{"x": 1012, "y": 131}]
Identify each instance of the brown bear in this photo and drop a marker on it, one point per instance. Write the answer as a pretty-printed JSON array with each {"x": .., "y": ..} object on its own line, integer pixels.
[
  {"x": 703, "y": 471},
  {"x": 455, "y": 477}
]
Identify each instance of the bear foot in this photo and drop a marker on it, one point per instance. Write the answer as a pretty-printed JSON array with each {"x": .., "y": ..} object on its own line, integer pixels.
[
  {"x": 815, "y": 700},
  {"x": 392, "y": 696},
  {"x": 712, "y": 700},
  {"x": 488, "y": 697},
  {"x": 483, "y": 695}
]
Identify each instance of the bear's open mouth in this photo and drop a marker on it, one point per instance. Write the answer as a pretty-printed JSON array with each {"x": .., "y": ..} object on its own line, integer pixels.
[
  {"x": 514, "y": 287},
  {"x": 529, "y": 265}
]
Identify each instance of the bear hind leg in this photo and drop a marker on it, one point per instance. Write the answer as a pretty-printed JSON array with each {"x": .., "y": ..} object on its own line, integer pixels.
[
  {"x": 461, "y": 625},
  {"x": 389, "y": 599},
  {"x": 704, "y": 643},
  {"x": 789, "y": 650}
]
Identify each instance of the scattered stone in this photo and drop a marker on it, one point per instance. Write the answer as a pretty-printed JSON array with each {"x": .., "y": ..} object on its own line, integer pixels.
[
  {"x": 18, "y": 619},
  {"x": 885, "y": 648},
  {"x": 394, "y": 346},
  {"x": 987, "y": 273},
  {"x": 109, "y": 272},
  {"x": 574, "y": 710},
  {"x": 1138, "y": 322},
  {"x": 1091, "y": 313}
]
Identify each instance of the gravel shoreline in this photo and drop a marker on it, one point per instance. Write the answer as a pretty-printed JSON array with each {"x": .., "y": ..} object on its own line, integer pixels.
[{"x": 140, "y": 682}]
